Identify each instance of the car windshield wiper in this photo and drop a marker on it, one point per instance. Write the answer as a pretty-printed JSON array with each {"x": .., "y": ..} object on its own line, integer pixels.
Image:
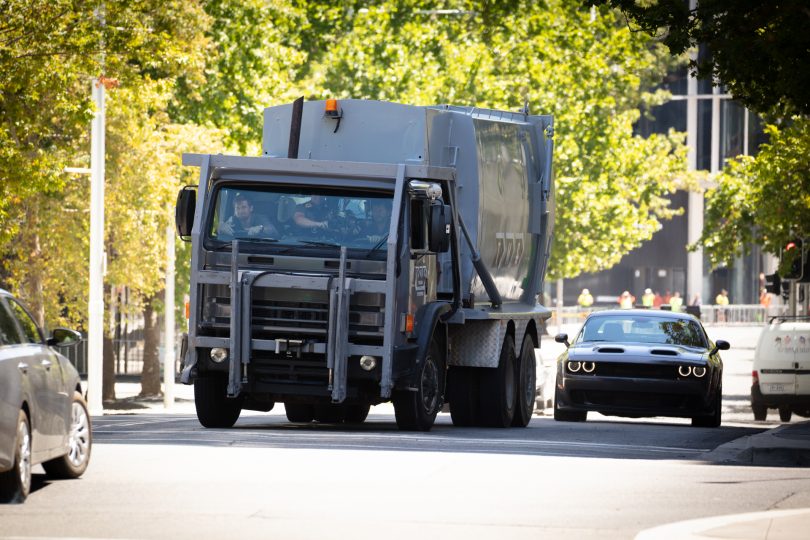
[
  {"x": 318, "y": 243},
  {"x": 377, "y": 246}
]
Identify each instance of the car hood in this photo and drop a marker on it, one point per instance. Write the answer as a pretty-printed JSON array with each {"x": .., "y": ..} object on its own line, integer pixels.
[{"x": 637, "y": 352}]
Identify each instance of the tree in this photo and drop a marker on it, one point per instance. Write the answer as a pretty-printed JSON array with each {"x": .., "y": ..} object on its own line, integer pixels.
[
  {"x": 762, "y": 200},
  {"x": 759, "y": 50},
  {"x": 585, "y": 68}
]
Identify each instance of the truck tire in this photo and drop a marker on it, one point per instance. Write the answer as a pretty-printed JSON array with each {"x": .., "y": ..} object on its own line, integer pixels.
[
  {"x": 356, "y": 414},
  {"x": 214, "y": 408},
  {"x": 80, "y": 442},
  {"x": 760, "y": 410},
  {"x": 15, "y": 484},
  {"x": 497, "y": 397},
  {"x": 785, "y": 413},
  {"x": 299, "y": 412},
  {"x": 327, "y": 413},
  {"x": 526, "y": 383},
  {"x": 417, "y": 410},
  {"x": 463, "y": 395}
]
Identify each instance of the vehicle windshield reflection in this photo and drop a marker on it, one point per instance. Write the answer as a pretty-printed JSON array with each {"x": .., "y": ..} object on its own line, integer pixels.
[{"x": 643, "y": 329}]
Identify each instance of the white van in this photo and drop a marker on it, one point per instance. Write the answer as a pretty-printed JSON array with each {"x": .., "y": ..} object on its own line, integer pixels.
[{"x": 781, "y": 371}]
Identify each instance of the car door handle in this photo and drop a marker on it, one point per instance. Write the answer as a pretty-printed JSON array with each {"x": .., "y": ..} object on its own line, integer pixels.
[
  {"x": 22, "y": 366},
  {"x": 47, "y": 364}
]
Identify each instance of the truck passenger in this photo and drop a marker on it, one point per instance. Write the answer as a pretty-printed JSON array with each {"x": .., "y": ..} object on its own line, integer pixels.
[{"x": 312, "y": 214}]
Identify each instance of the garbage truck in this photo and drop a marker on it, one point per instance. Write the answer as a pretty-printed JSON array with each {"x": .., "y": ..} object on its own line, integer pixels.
[{"x": 375, "y": 252}]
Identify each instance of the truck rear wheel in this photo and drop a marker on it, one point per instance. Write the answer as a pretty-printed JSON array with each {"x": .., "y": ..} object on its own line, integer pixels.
[
  {"x": 417, "y": 410},
  {"x": 785, "y": 413},
  {"x": 299, "y": 412},
  {"x": 497, "y": 389},
  {"x": 463, "y": 395},
  {"x": 327, "y": 413},
  {"x": 214, "y": 408},
  {"x": 526, "y": 383}
]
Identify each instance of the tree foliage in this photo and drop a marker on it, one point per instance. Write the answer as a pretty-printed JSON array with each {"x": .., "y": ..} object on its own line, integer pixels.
[
  {"x": 762, "y": 200},
  {"x": 759, "y": 50},
  {"x": 585, "y": 68}
]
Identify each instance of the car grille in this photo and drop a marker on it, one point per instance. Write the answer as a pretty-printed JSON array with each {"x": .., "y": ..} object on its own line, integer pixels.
[
  {"x": 642, "y": 371},
  {"x": 635, "y": 400}
]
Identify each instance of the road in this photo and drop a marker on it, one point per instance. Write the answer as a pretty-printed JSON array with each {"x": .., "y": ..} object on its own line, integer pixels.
[{"x": 162, "y": 475}]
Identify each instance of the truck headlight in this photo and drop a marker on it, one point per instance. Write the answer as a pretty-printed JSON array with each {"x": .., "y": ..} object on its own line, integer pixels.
[
  {"x": 368, "y": 362},
  {"x": 219, "y": 355}
]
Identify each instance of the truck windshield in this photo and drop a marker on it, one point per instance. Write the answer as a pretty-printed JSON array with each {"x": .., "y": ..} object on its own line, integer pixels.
[{"x": 300, "y": 216}]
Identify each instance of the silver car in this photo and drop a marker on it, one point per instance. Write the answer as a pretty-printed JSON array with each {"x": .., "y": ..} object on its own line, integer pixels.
[{"x": 43, "y": 416}]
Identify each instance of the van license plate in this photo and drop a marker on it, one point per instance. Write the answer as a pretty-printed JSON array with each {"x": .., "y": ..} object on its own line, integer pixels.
[{"x": 777, "y": 387}]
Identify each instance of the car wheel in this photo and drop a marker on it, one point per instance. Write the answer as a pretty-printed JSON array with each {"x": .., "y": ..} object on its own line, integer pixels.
[
  {"x": 497, "y": 396},
  {"x": 785, "y": 413},
  {"x": 80, "y": 443},
  {"x": 356, "y": 414},
  {"x": 567, "y": 416},
  {"x": 214, "y": 408},
  {"x": 760, "y": 410},
  {"x": 15, "y": 484},
  {"x": 417, "y": 410},
  {"x": 462, "y": 388},
  {"x": 299, "y": 412},
  {"x": 526, "y": 383},
  {"x": 714, "y": 419}
]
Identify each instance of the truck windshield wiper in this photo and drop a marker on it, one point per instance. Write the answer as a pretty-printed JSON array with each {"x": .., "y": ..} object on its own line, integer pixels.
[
  {"x": 256, "y": 239},
  {"x": 318, "y": 243},
  {"x": 378, "y": 245}
]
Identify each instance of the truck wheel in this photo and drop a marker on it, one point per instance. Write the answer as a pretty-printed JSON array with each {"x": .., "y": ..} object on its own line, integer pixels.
[
  {"x": 785, "y": 413},
  {"x": 526, "y": 383},
  {"x": 326, "y": 413},
  {"x": 497, "y": 395},
  {"x": 15, "y": 484},
  {"x": 760, "y": 410},
  {"x": 463, "y": 395},
  {"x": 567, "y": 416},
  {"x": 356, "y": 414},
  {"x": 80, "y": 441},
  {"x": 299, "y": 412},
  {"x": 214, "y": 408},
  {"x": 416, "y": 411}
]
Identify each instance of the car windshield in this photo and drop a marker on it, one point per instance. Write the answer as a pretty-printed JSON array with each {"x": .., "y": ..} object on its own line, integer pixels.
[
  {"x": 301, "y": 217},
  {"x": 643, "y": 329}
]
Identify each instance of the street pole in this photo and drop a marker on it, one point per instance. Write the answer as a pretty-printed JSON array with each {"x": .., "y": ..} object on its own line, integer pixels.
[
  {"x": 168, "y": 355},
  {"x": 95, "y": 334}
]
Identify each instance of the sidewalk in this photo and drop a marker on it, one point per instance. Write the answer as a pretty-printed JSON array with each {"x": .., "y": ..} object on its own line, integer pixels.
[{"x": 771, "y": 525}]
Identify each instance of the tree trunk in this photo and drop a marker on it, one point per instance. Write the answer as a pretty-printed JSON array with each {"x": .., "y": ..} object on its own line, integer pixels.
[
  {"x": 108, "y": 370},
  {"x": 150, "y": 377}
]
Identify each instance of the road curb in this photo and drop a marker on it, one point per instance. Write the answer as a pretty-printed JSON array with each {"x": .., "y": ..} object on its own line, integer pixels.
[{"x": 768, "y": 449}]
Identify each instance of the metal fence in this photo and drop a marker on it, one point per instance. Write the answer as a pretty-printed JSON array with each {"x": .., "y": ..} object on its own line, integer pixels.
[
  {"x": 736, "y": 314},
  {"x": 128, "y": 355}
]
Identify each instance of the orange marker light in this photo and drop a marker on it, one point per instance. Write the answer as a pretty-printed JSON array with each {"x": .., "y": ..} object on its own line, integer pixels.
[
  {"x": 409, "y": 322},
  {"x": 331, "y": 107}
]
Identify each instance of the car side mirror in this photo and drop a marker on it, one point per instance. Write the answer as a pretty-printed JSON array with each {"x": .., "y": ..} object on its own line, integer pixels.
[
  {"x": 184, "y": 212},
  {"x": 63, "y": 337},
  {"x": 720, "y": 345},
  {"x": 562, "y": 338},
  {"x": 439, "y": 229}
]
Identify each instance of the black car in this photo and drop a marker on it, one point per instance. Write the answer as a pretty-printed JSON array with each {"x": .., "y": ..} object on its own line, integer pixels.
[{"x": 637, "y": 363}]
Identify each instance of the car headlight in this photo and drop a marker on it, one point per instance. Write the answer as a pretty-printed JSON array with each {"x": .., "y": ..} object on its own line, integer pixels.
[
  {"x": 699, "y": 371},
  {"x": 573, "y": 367},
  {"x": 684, "y": 371}
]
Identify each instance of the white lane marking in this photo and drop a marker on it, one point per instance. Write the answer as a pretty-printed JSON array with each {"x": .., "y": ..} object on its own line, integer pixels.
[{"x": 352, "y": 439}]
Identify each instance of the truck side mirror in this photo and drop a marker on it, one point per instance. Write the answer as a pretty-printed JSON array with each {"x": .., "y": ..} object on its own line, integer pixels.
[
  {"x": 440, "y": 223},
  {"x": 184, "y": 212}
]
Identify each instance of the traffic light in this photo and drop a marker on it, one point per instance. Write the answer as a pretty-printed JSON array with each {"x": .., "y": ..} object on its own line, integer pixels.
[
  {"x": 773, "y": 283},
  {"x": 795, "y": 261}
]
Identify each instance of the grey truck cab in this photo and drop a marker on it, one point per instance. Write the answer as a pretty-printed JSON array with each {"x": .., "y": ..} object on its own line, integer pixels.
[{"x": 375, "y": 252}]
